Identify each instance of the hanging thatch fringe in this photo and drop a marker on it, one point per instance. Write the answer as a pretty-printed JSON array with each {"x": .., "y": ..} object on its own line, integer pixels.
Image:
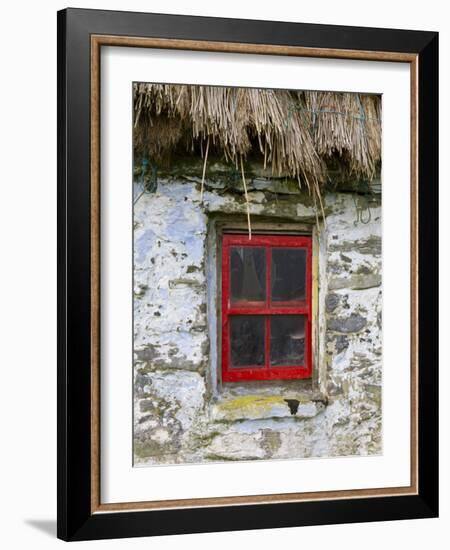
[
  {"x": 296, "y": 133},
  {"x": 246, "y": 201},
  {"x": 204, "y": 169}
]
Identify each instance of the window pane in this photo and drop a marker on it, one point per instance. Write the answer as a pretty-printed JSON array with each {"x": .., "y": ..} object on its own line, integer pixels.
[
  {"x": 287, "y": 340},
  {"x": 248, "y": 274},
  {"x": 288, "y": 275},
  {"x": 247, "y": 340}
]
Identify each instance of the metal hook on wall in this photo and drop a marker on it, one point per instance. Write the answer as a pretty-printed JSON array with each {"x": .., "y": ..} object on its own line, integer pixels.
[
  {"x": 149, "y": 182},
  {"x": 363, "y": 212}
]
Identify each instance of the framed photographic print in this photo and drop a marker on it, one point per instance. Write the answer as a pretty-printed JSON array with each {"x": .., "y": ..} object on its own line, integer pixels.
[{"x": 247, "y": 274}]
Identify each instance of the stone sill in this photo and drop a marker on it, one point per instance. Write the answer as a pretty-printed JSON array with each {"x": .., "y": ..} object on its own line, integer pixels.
[{"x": 257, "y": 407}]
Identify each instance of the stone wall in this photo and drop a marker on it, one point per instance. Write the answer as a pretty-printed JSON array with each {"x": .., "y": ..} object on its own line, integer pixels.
[{"x": 182, "y": 413}]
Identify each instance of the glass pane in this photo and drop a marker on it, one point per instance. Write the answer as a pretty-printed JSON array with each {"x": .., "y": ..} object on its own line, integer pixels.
[
  {"x": 287, "y": 340},
  {"x": 247, "y": 340},
  {"x": 288, "y": 275},
  {"x": 248, "y": 275}
]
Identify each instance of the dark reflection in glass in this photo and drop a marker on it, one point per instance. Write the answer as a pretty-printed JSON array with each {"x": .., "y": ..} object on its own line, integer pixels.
[
  {"x": 287, "y": 340},
  {"x": 248, "y": 275},
  {"x": 288, "y": 275},
  {"x": 247, "y": 340}
]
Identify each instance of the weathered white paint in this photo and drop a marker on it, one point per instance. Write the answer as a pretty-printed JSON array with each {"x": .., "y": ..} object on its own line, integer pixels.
[{"x": 182, "y": 414}]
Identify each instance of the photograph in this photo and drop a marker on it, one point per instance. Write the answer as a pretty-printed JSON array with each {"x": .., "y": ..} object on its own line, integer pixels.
[
  {"x": 247, "y": 274},
  {"x": 257, "y": 274},
  {"x": 223, "y": 243}
]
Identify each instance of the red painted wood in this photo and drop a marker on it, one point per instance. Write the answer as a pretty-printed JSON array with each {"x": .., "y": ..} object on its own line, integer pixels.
[
  {"x": 266, "y": 308},
  {"x": 268, "y": 300},
  {"x": 278, "y": 373}
]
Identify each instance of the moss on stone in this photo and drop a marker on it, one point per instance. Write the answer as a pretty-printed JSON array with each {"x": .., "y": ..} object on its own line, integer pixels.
[
  {"x": 146, "y": 369},
  {"x": 252, "y": 407},
  {"x": 221, "y": 458},
  {"x": 151, "y": 448}
]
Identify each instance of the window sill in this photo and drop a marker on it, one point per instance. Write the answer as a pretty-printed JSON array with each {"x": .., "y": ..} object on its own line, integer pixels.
[{"x": 256, "y": 406}]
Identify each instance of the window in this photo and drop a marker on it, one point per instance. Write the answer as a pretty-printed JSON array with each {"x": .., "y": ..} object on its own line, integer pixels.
[{"x": 266, "y": 307}]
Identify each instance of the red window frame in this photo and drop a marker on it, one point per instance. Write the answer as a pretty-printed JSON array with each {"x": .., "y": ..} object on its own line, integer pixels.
[{"x": 266, "y": 372}]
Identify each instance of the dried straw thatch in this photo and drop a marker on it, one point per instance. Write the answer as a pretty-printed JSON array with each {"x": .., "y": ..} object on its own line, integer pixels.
[{"x": 297, "y": 133}]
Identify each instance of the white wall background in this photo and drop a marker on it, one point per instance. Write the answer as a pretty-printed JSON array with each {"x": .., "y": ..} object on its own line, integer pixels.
[{"x": 28, "y": 274}]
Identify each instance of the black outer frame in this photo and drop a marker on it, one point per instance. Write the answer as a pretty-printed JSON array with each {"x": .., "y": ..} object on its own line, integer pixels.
[{"x": 75, "y": 521}]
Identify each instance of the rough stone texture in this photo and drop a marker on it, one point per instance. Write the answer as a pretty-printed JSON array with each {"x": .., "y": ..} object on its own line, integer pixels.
[
  {"x": 181, "y": 414},
  {"x": 253, "y": 407}
]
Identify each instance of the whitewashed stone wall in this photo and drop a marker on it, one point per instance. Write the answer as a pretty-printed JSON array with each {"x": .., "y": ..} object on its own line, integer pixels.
[{"x": 181, "y": 412}]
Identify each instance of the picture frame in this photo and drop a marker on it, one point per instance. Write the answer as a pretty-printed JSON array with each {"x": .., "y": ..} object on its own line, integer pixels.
[{"x": 81, "y": 36}]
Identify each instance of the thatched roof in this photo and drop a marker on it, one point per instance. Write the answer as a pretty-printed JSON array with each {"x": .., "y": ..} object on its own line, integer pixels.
[{"x": 295, "y": 133}]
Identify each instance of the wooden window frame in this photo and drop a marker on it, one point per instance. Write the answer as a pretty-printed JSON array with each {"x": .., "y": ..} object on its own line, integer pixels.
[{"x": 266, "y": 372}]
